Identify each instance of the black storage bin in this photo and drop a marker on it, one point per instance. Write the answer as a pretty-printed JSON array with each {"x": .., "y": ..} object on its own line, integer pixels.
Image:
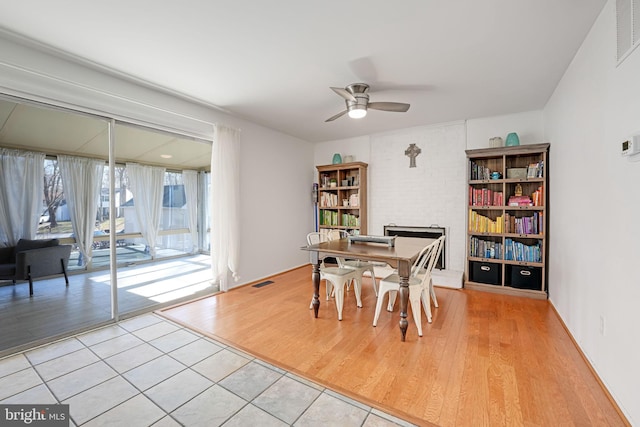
[
  {"x": 486, "y": 272},
  {"x": 525, "y": 277}
]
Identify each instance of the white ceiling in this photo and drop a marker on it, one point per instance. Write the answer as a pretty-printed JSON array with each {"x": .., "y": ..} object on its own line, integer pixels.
[
  {"x": 54, "y": 131},
  {"x": 272, "y": 62}
]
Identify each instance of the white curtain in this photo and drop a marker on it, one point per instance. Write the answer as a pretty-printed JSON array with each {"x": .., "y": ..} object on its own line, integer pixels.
[
  {"x": 190, "y": 181},
  {"x": 21, "y": 194},
  {"x": 224, "y": 208},
  {"x": 82, "y": 181},
  {"x": 203, "y": 210},
  {"x": 147, "y": 186}
]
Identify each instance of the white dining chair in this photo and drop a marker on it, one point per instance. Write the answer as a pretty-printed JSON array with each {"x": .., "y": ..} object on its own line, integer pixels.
[
  {"x": 429, "y": 294},
  {"x": 418, "y": 285},
  {"x": 360, "y": 266},
  {"x": 336, "y": 278}
]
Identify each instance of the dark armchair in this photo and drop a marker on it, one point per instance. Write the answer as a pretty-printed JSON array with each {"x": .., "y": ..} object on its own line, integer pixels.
[{"x": 31, "y": 259}]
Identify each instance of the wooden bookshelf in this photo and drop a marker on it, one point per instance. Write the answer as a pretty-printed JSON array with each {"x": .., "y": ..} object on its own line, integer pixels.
[
  {"x": 342, "y": 197},
  {"x": 507, "y": 221}
]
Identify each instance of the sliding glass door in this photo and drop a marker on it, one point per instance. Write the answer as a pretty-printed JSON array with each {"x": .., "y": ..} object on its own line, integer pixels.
[{"x": 153, "y": 265}]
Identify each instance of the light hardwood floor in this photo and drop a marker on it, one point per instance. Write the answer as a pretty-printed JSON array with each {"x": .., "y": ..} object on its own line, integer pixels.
[{"x": 486, "y": 360}]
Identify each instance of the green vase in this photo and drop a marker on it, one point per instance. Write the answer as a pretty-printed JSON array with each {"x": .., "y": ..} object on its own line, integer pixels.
[
  {"x": 512, "y": 140},
  {"x": 337, "y": 159}
]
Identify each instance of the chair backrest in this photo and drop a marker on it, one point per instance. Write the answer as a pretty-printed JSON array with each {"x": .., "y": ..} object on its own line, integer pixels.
[
  {"x": 429, "y": 262},
  {"x": 335, "y": 234},
  {"x": 325, "y": 235},
  {"x": 316, "y": 237},
  {"x": 424, "y": 258},
  {"x": 438, "y": 252}
]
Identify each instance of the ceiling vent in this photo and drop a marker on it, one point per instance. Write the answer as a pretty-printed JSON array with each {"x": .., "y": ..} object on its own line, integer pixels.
[{"x": 627, "y": 27}]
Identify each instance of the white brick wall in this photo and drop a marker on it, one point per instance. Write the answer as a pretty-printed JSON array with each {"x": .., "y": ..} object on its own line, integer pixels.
[{"x": 434, "y": 192}]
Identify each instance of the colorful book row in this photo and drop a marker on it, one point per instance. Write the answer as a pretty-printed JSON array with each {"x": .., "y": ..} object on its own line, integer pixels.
[
  {"x": 479, "y": 172},
  {"x": 330, "y": 218},
  {"x": 535, "y": 170},
  {"x": 482, "y": 224},
  {"x": 517, "y": 251},
  {"x": 524, "y": 225},
  {"x": 538, "y": 197},
  {"x": 349, "y": 220},
  {"x": 485, "y": 197},
  {"x": 485, "y": 248},
  {"x": 328, "y": 200}
]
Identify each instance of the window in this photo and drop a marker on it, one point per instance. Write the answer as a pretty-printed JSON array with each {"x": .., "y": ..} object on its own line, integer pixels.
[{"x": 55, "y": 130}]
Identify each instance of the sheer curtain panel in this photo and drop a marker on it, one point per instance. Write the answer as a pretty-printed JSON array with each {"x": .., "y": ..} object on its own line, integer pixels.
[
  {"x": 203, "y": 211},
  {"x": 147, "y": 186},
  {"x": 225, "y": 191},
  {"x": 82, "y": 182},
  {"x": 21, "y": 190},
  {"x": 190, "y": 181}
]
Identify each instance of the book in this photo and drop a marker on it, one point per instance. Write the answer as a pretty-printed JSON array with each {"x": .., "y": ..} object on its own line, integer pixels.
[
  {"x": 484, "y": 197},
  {"x": 520, "y": 201}
]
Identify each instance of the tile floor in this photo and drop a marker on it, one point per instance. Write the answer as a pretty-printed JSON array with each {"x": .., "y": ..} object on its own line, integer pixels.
[{"x": 147, "y": 371}]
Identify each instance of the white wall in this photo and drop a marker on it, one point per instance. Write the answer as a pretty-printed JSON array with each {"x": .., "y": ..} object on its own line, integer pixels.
[
  {"x": 276, "y": 205},
  {"x": 431, "y": 193},
  {"x": 528, "y": 125},
  {"x": 359, "y": 148},
  {"x": 276, "y": 169},
  {"x": 595, "y": 209}
]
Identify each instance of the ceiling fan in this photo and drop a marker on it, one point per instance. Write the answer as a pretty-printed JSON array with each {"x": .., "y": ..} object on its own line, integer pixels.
[{"x": 357, "y": 99}]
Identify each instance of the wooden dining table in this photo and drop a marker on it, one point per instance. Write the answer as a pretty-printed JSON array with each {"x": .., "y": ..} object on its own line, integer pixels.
[{"x": 400, "y": 256}]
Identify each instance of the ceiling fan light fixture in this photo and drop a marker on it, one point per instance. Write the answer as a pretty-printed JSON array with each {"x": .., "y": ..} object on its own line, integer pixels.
[
  {"x": 357, "y": 112},
  {"x": 356, "y": 98}
]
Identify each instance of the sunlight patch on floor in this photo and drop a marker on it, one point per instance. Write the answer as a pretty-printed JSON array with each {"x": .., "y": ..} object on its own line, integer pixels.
[
  {"x": 161, "y": 286},
  {"x": 181, "y": 293}
]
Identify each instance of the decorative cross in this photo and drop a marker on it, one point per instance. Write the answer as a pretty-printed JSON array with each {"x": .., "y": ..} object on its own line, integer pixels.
[{"x": 412, "y": 152}]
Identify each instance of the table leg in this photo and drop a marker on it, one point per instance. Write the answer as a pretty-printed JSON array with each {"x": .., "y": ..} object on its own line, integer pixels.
[
  {"x": 315, "y": 277},
  {"x": 404, "y": 270}
]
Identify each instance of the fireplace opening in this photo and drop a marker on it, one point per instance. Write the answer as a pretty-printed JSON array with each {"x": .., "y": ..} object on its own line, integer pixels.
[{"x": 431, "y": 232}]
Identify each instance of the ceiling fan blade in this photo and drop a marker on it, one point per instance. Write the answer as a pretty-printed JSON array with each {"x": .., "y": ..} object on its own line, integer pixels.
[
  {"x": 340, "y": 114},
  {"x": 344, "y": 93},
  {"x": 398, "y": 107}
]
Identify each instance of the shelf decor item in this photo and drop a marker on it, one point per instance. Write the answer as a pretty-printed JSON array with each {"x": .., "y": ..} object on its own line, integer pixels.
[
  {"x": 337, "y": 159},
  {"x": 517, "y": 173},
  {"x": 512, "y": 140},
  {"x": 495, "y": 142}
]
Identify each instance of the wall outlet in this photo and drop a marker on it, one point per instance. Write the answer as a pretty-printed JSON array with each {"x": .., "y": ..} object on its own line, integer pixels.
[{"x": 602, "y": 325}]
